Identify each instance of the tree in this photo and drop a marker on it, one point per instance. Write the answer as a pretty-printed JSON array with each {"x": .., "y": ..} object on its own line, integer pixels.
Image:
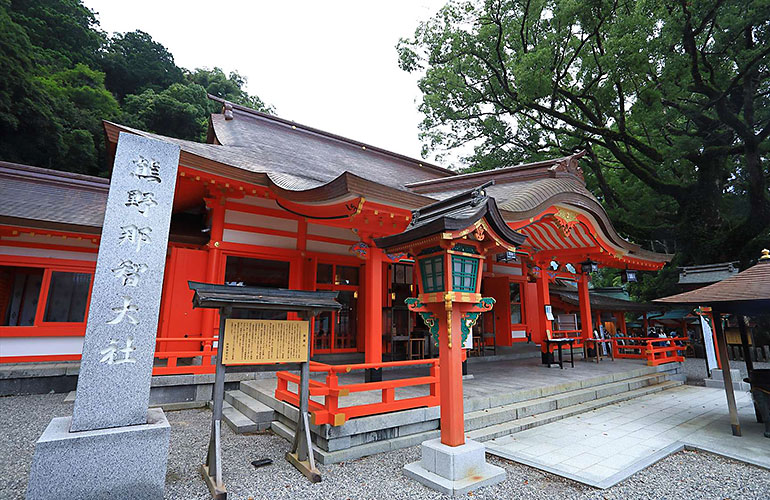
[
  {"x": 80, "y": 102},
  {"x": 29, "y": 131},
  {"x": 63, "y": 32},
  {"x": 181, "y": 111},
  {"x": 227, "y": 87},
  {"x": 53, "y": 96},
  {"x": 669, "y": 99},
  {"x": 134, "y": 62}
]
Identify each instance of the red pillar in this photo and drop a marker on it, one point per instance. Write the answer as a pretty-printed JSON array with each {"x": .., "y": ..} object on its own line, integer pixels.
[
  {"x": 209, "y": 321},
  {"x": 622, "y": 323},
  {"x": 544, "y": 299},
  {"x": 451, "y": 377},
  {"x": 373, "y": 306},
  {"x": 585, "y": 308}
]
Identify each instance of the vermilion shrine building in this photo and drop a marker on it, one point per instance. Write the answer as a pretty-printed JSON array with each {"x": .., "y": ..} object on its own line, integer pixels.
[{"x": 268, "y": 202}]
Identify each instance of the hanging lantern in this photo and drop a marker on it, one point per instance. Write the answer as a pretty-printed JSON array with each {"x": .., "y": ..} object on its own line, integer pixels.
[
  {"x": 628, "y": 276},
  {"x": 589, "y": 266}
]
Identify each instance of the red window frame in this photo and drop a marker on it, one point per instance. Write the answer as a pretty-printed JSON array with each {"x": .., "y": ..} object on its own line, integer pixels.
[
  {"x": 336, "y": 287},
  {"x": 41, "y": 328}
]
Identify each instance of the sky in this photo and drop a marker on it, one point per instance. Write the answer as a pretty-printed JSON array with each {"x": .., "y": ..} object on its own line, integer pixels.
[{"x": 328, "y": 64}]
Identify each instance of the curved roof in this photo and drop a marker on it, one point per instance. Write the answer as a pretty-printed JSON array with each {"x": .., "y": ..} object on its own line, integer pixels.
[
  {"x": 746, "y": 292},
  {"x": 547, "y": 201},
  {"x": 455, "y": 213}
]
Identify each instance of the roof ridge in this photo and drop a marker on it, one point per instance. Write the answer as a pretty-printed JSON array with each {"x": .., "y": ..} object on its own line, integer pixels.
[
  {"x": 330, "y": 135},
  {"x": 568, "y": 163},
  {"x": 9, "y": 169}
]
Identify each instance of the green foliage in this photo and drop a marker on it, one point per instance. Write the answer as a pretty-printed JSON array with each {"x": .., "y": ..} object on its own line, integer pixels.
[
  {"x": 63, "y": 32},
  {"x": 229, "y": 87},
  {"x": 134, "y": 62},
  {"x": 178, "y": 111},
  {"x": 62, "y": 76},
  {"x": 670, "y": 99},
  {"x": 28, "y": 129}
]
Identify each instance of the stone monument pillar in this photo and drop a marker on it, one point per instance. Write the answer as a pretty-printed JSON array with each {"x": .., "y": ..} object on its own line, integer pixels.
[{"x": 113, "y": 446}]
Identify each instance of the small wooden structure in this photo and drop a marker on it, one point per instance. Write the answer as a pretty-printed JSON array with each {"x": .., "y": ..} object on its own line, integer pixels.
[
  {"x": 744, "y": 294},
  {"x": 226, "y": 298}
]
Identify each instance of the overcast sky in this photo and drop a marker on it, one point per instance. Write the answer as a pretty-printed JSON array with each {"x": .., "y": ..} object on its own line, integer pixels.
[{"x": 327, "y": 64}]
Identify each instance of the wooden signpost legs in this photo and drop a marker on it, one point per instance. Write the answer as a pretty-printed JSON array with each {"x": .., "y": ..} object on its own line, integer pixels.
[
  {"x": 301, "y": 454},
  {"x": 212, "y": 469}
]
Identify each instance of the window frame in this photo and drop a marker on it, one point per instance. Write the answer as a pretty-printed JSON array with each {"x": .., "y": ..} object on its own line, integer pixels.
[
  {"x": 40, "y": 328},
  {"x": 334, "y": 286},
  {"x": 521, "y": 303}
]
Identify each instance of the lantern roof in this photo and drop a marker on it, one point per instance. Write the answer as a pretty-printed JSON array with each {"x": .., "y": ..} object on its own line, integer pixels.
[
  {"x": 455, "y": 213},
  {"x": 212, "y": 295}
]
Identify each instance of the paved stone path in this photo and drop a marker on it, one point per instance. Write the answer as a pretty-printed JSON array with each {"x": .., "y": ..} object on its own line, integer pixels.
[{"x": 602, "y": 447}]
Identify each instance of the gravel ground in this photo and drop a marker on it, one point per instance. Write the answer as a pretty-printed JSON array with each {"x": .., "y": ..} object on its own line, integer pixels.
[
  {"x": 682, "y": 476},
  {"x": 695, "y": 369}
]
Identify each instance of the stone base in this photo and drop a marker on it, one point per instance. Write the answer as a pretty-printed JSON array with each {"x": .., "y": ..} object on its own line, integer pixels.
[
  {"x": 454, "y": 470},
  {"x": 717, "y": 380},
  {"x": 120, "y": 462}
]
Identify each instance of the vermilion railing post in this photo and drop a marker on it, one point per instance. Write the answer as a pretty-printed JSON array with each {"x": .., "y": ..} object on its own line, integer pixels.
[
  {"x": 331, "y": 401},
  {"x": 434, "y": 387},
  {"x": 388, "y": 395}
]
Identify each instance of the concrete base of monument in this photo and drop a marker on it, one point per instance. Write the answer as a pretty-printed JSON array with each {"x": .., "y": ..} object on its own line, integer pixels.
[
  {"x": 120, "y": 462},
  {"x": 454, "y": 470}
]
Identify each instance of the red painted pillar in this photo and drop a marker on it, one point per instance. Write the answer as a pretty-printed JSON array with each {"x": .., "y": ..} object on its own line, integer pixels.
[
  {"x": 451, "y": 375},
  {"x": 373, "y": 310},
  {"x": 209, "y": 321},
  {"x": 544, "y": 299},
  {"x": 586, "y": 325},
  {"x": 622, "y": 323}
]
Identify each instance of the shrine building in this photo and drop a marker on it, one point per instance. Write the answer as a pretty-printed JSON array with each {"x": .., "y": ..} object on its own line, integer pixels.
[{"x": 272, "y": 203}]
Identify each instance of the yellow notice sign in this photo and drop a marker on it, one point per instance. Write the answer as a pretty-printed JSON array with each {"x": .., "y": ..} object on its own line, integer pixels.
[{"x": 264, "y": 341}]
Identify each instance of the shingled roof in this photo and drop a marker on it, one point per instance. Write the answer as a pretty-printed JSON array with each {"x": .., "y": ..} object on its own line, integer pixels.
[
  {"x": 455, "y": 213},
  {"x": 747, "y": 292},
  {"x": 602, "y": 302},
  {"x": 39, "y": 197}
]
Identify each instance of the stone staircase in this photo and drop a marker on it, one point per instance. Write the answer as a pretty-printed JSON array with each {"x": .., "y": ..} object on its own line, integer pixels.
[
  {"x": 254, "y": 408},
  {"x": 245, "y": 414}
]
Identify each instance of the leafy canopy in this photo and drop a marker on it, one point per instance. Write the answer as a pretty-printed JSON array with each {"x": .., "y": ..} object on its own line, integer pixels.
[
  {"x": 62, "y": 76},
  {"x": 668, "y": 98}
]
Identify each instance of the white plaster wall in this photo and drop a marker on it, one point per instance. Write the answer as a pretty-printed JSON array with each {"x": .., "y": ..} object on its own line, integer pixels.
[
  {"x": 332, "y": 232},
  {"x": 512, "y": 271},
  {"x": 256, "y": 201},
  {"x": 40, "y": 346},
  {"x": 53, "y": 240},
  {"x": 267, "y": 240},
  {"x": 42, "y": 252},
  {"x": 255, "y": 220},
  {"x": 323, "y": 247}
]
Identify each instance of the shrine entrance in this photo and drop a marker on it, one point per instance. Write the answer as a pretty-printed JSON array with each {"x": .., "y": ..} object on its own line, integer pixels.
[{"x": 337, "y": 331}]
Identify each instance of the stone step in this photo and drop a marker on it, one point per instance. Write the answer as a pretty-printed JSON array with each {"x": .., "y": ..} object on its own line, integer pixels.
[
  {"x": 284, "y": 427},
  {"x": 240, "y": 423},
  {"x": 251, "y": 408},
  {"x": 528, "y": 422},
  {"x": 286, "y": 431},
  {"x": 506, "y": 413}
]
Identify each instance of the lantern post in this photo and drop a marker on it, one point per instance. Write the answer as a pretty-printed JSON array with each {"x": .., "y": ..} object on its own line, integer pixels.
[{"x": 449, "y": 241}]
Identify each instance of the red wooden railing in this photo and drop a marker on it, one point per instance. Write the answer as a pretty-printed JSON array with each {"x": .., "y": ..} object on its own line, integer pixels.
[
  {"x": 654, "y": 349},
  {"x": 329, "y": 411},
  {"x": 202, "y": 347}
]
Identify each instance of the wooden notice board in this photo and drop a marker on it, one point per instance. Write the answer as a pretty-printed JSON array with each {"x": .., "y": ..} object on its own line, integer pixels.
[{"x": 250, "y": 341}]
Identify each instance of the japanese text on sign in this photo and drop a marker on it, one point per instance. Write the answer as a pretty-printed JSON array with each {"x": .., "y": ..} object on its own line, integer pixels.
[{"x": 264, "y": 341}]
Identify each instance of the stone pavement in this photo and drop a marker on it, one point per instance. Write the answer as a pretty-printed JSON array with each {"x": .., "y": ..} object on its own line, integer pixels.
[{"x": 602, "y": 447}]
